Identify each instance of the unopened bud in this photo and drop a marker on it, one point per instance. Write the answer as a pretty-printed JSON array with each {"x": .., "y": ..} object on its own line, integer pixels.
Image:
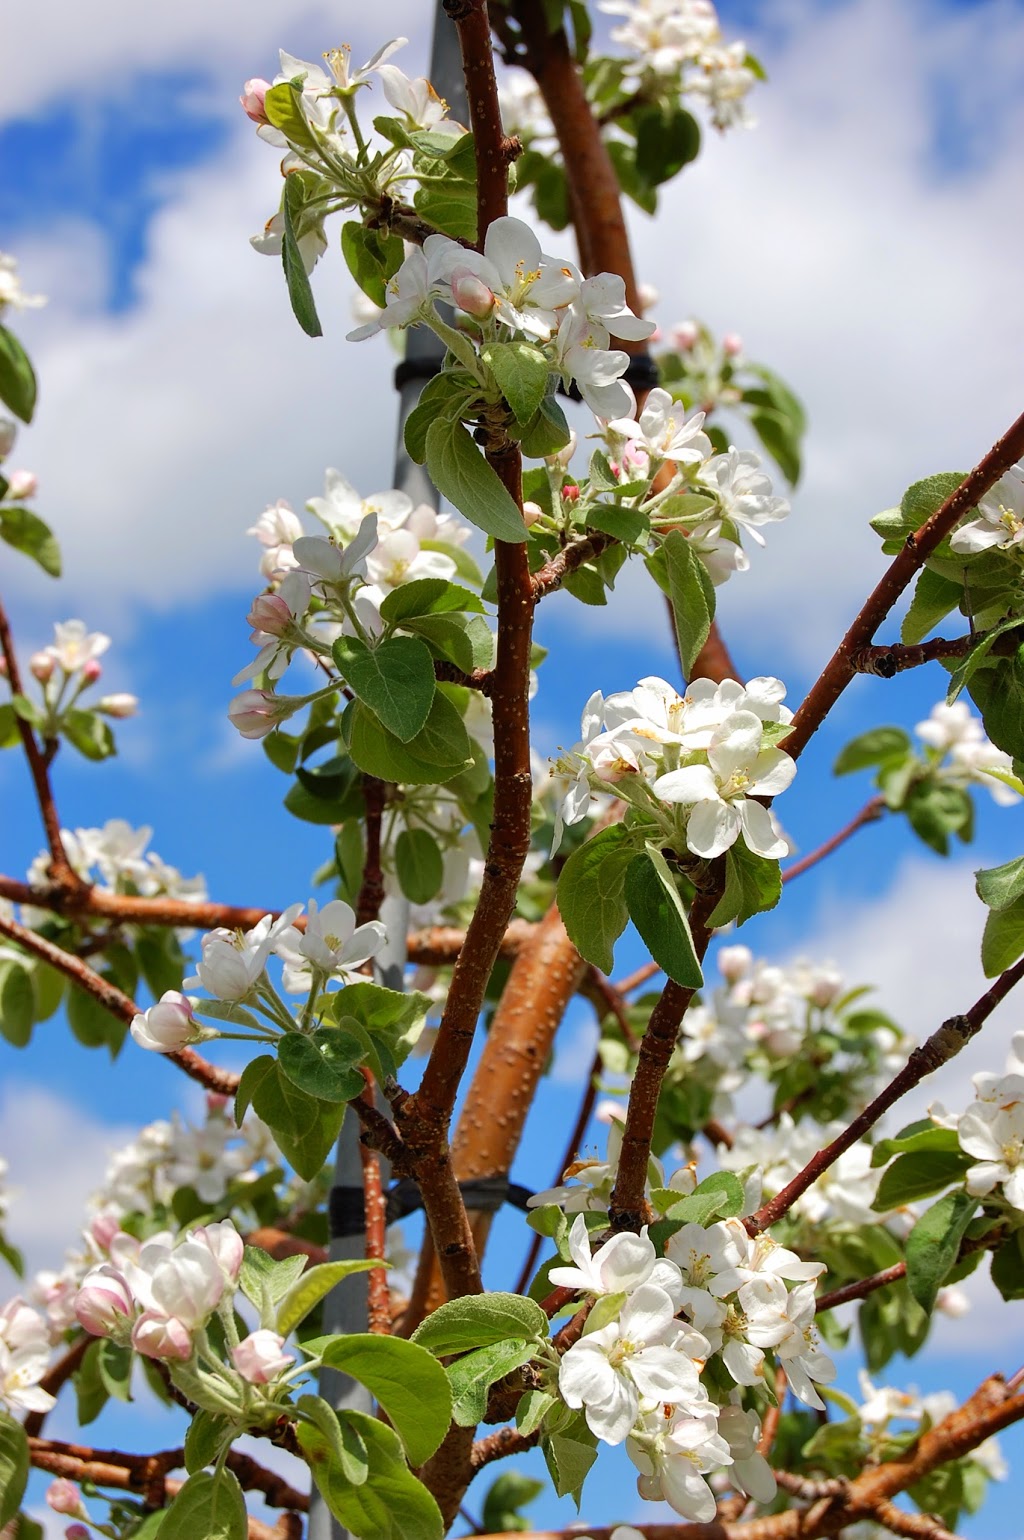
[
  {"x": 64, "y": 1497},
  {"x": 253, "y": 100},
  {"x": 684, "y": 336},
  {"x": 41, "y": 666},
  {"x": 647, "y": 295},
  {"x": 732, "y": 344},
  {"x": 22, "y": 484},
  {"x": 471, "y": 294},
  {"x": 122, "y": 705},
  {"x": 77, "y": 1532},
  {"x": 269, "y": 613},
  {"x": 571, "y": 493},
  {"x": 531, "y": 513},
  {"x": 92, "y": 671}
]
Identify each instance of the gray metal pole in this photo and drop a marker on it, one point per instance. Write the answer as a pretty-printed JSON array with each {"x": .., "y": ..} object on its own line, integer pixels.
[{"x": 346, "y": 1308}]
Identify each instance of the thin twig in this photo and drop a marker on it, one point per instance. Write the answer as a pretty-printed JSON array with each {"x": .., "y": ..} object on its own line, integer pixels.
[
  {"x": 869, "y": 813},
  {"x": 117, "y": 1003}
]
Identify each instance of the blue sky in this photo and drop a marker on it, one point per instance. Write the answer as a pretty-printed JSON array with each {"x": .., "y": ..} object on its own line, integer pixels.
[{"x": 859, "y": 239}]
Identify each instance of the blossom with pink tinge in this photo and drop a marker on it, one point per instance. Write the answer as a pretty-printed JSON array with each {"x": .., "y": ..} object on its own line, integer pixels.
[
  {"x": 64, "y": 1497},
  {"x": 226, "y": 1247},
  {"x": 118, "y": 706},
  {"x": 22, "y": 484},
  {"x": 258, "y": 1357},
  {"x": 161, "y": 1336},
  {"x": 253, "y": 99},
  {"x": 104, "y": 1301},
  {"x": 166, "y": 1026}
]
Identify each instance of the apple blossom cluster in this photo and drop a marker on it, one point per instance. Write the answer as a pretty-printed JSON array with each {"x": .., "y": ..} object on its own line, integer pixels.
[
  {"x": 962, "y": 755},
  {"x": 310, "y": 113},
  {"x": 679, "y": 42},
  {"x": 767, "y": 1159},
  {"x": 330, "y": 585},
  {"x": 688, "y": 765},
  {"x": 232, "y": 969},
  {"x": 673, "y": 1341},
  {"x": 114, "y": 859},
  {"x": 514, "y": 290},
  {"x": 159, "y": 1297},
  {"x": 66, "y": 668},
  {"x": 991, "y": 1131},
  {"x": 997, "y": 524}
]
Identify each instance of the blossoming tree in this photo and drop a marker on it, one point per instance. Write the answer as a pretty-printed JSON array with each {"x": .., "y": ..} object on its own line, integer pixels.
[{"x": 681, "y": 1294}]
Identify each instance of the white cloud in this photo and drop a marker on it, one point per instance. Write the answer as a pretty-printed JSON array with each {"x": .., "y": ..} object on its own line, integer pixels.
[{"x": 57, "y": 1154}]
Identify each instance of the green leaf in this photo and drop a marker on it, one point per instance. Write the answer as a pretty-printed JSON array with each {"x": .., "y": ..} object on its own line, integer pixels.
[
  {"x": 880, "y": 746},
  {"x": 390, "y": 1019},
  {"x": 313, "y": 1285},
  {"x": 626, "y": 524},
  {"x": 682, "y": 575},
  {"x": 88, "y": 733},
  {"x": 90, "y": 1021},
  {"x": 472, "y": 1377},
  {"x": 720, "y": 1194},
  {"x": 90, "y": 1392},
  {"x": 510, "y": 1492},
  {"x": 390, "y": 1504},
  {"x": 300, "y": 291},
  {"x": 1008, "y": 1266},
  {"x": 920, "y": 1136},
  {"x": 933, "y": 1244},
  {"x": 305, "y": 1128},
  {"x": 17, "y": 377},
  {"x": 438, "y": 752},
  {"x": 1000, "y": 886},
  {"x": 752, "y": 885},
  {"x": 115, "y": 1366},
  {"x": 934, "y": 597},
  {"x": 667, "y": 139},
  {"x": 207, "y": 1434},
  {"x": 446, "y": 395},
  {"x": 308, "y": 1068},
  {"x": 1002, "y": 941},
  {"x": 17, "y": 1003},
  {"x": 27, "y": 532},
  {"x": 372, "y": 258},
  {"x": 547, "y": 433},
  {"x": 462, "y": 475},
  {"x": 14, "y": 1466},
  {"x": 207, "y": 1505},
  {"x": 656, "y": 910},
  {"x": 968, "y": 667},
  {"x": 923, "y": 498},
  {"x": 999, "y": 693},
  {"x": 521, "y": 371},
  {"x": 264, "y": 1280},
  {"x": 406, "y": 1380},
  {"x": 569, "y": 1461},
  {"x": 331, "y": 1444},
  {"x": 479, "y": 1320},
  {"x": 282, "y": 105},
  {"x": 9, "y": 735},
  {"x": 395, "y": 679},
  {"x": 935, "y": 810},
  {"x": 918, "y": 1175},
  {"x": 591, "y": 894},
  {"x": 427, "y": 596},
  {"x": 466, "y": 639},
  {"x": 419, "y": 864},
  {"x": 253, "y": 1073}
]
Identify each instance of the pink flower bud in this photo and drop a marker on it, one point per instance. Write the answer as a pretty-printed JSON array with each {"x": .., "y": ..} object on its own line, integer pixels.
[
  {"x": 253, "y": 100},
  {"x": 104, "y": 1301},
  {"x": 119, "y": 706},
  {"x": 258, "y": 1358},
  {"x": 257, "y": 712},
  {"x": 103, "y": 1229},
  {"x": 41, "y": 666},
  {"x": 634, "y": 458},
  {"x": 571, "y": 493},
  {"x": 732, "y": 344},
  {"x": 3, "y": 668},
  {"x": 225, "y": 1245},
  {"x": 22, "y": 484},
  {"x": 215, "y": 1103},
  {"x": 734, "y": 962},
  {"x": 77, "y": 1532},
  {"x": 471, "y": 294},
  {"x": 92, "y": 671},
  {"x": 685, "y": 335},
  {"x": 64, "y": 1497},
  {"x": 269, "y": 613},
  {"x": 161, "y": 1336},
  {"x": 167, "y": 1025},
  {"x": 531, "y": 513}
]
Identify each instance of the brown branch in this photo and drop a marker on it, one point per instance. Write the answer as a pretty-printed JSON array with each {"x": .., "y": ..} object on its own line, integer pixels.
[
  {"x": 607, "y": 1000},
  {"x": 554, "y": 572},
  {"x": 441, "y": 944},
  {"x": 869, "y": 813},
  {"x": 375, "y": 1214},
  {"x": 143, "y": 1472},
  {"x": 371, "y": 890},
  {"x": 129, "y": 909},
  {"x": 648, "y": 970},
  {"x": 943, "y": 1045},
  {"x": 917, "y": 1526},
  {"x": 886, "y": 662},
  {"x": 629, "y": 1208},
  {"x": 839, "y": 670},
  {"x": 38, "y": 762},
  {"x": 222, "y": 1081},
  {"x": 499, "y": 1445},
  {"x": 861, "y": 1288}
]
